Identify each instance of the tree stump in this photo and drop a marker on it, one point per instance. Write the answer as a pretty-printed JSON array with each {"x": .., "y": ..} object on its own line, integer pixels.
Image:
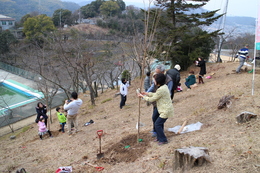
[
  {"x": 245, "y": 117},
  {"x": 225, "y": 101},
  {"x": 186, "y": 158}
]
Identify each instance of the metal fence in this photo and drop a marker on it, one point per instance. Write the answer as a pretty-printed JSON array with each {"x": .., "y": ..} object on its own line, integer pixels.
[
  {"x": 27, "y": 110},
  {"x": 18, "y": 71}
]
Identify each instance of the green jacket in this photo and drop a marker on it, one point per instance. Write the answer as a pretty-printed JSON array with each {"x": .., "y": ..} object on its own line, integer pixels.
[
  {"x": 61, "y": 117},
  {"x": 190, "y": 80},
  {"x": 163, "y": 101}
]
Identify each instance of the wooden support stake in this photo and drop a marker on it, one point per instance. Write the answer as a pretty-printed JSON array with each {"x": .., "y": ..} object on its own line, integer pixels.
[{"x": 183, "y": 125}]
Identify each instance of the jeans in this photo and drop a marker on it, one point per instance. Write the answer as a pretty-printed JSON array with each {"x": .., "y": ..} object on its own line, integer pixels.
[
  {"x": 159, "y": 127},
  {"x": 155, "y": 117},
  {"x": 123, "y": 100},
  {"x": 62, "y": 126},
  {"x": 241, "y": 63},
  {"x": 72, "y": 119},
  {"x": 187, "y": 85}
]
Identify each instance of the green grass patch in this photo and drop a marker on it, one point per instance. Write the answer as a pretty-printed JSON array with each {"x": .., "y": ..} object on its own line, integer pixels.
[
  {"x": 104, "y": 101},
  {"x": 24, "y": 129},
  {"x": 91, "y": 106}
]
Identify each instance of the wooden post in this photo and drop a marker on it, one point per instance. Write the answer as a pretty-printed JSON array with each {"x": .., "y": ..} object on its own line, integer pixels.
[{"x": 183, "y": 125}]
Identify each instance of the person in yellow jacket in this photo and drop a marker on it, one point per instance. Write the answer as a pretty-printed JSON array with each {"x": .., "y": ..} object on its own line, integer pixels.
[
  {"x": 62, "y": 119},
  {"x": 164, "y": 104}
]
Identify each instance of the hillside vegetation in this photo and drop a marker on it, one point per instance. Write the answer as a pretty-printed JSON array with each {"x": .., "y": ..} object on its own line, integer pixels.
[
  {"x": 232, "y": 147},
  {"x": 18, "y": 8}
]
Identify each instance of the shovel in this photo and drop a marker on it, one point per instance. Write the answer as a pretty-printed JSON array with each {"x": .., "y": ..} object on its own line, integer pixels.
[{"x": 100, "y": 155}]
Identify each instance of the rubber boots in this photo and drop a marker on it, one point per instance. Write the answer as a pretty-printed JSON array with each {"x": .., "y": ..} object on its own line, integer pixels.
[{"x": 201, "y": 80}]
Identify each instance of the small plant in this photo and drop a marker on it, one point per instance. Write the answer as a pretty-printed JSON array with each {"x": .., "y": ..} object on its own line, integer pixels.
[
  {"x": 104, "y": 101},
  {"x": 198, "y": 111},
  {"x": 91, "y": 106},
  {"x": 24, "y": 129},
  {"x": 162, "y": 164},
  {"x": 126, "y": 74}
]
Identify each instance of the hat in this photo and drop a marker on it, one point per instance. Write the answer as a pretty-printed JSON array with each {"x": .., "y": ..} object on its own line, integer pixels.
[{"x": 178, "y": 67}]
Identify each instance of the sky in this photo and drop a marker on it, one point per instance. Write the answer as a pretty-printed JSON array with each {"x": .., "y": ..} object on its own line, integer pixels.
[{"x": 248, "y": 8}]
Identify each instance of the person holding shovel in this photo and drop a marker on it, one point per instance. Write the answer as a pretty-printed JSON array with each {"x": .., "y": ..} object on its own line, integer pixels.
[
  {"x": 162, "y": 97},
  {"x": 160, "y": 69}
]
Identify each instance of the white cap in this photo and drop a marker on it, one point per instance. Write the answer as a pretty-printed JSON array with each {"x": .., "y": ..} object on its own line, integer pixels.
[{"x": 178, "y": 67}]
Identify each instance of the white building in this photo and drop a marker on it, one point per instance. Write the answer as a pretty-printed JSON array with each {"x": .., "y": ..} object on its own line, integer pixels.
[{"x": 6, "y": 22}]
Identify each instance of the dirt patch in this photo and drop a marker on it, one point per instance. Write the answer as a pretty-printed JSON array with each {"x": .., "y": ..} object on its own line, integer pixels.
[{"x": 127, "y": 150}]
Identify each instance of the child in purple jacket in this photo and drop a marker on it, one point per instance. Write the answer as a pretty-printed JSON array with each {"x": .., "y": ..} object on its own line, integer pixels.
[{"x": 42, "y": 128}]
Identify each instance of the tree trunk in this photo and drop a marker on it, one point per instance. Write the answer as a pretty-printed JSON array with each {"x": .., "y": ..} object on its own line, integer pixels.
[
  {"x": 245, "y": 117},
  {"x": 186, "y": 158}
]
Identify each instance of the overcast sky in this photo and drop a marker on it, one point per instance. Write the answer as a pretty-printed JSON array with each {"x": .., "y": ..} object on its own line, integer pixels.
[{"x": 235, "y": 7}]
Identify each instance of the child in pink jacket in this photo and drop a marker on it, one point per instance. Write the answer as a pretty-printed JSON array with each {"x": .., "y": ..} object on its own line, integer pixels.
[{"x": 42, "y": 128}]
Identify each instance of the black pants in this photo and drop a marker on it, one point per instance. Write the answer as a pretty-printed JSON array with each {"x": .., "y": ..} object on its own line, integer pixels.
[
  {"x": 46, "y": 122},
  {"x": 173, "y": 89},
  {"x": 48, "y": 132},
  {"x": 123, "y": 100}
]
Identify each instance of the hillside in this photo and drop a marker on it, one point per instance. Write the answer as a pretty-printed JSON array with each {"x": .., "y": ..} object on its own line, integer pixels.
[
  {"x": 18, "y": 8},
  {"x": 232, "y": 147}
]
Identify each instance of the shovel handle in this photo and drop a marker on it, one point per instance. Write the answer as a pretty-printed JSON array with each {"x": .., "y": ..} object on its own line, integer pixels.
[{"x": 99, "y": 133}]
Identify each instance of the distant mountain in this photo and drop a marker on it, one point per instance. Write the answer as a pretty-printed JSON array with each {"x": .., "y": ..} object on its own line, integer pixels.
[
  {"x": 18, "y": 8},
  {"x": 235, "y": 24},
  {"x": 79, "y": 2}
]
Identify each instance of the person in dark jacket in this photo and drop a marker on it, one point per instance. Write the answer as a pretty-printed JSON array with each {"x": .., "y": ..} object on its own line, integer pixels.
[
  {"x": 175, "y": 75},
  {"x": 202, "y": 64},
  {"x": 191, "y": 79},
  {"x": 41, "y": 110}
]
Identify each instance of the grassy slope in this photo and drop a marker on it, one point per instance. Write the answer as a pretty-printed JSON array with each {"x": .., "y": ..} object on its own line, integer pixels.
[{"x": 232, "y": 147}]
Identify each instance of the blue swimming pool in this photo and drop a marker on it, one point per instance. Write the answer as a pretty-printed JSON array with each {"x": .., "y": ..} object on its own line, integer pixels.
[{"x": 14, "y": 94}]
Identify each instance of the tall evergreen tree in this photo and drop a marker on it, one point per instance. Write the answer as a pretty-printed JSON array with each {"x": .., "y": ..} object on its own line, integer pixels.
[
  {"x": 177, "y": 24},
  {"x": 62, "y": 17}
]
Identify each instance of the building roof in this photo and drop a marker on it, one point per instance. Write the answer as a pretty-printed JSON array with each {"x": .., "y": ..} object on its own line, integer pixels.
[{"x": 2, "y": 17}]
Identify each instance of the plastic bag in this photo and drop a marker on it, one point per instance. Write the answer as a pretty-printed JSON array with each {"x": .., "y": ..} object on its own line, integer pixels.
[
  {"x": 188, "y": 128},
  {"x": 64, "y": 169}
]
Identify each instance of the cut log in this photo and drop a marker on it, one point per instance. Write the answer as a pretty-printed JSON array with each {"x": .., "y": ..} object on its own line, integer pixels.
[
  {"x": 186, "y": 158},
  {"x": 225, "y": 101},
  {"x": 245, "y": 117}
]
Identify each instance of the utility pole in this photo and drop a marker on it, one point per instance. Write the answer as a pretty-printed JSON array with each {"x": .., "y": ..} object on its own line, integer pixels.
[
  {"x": 60, "y": 18},
  {"x": 79, "y": 16}
]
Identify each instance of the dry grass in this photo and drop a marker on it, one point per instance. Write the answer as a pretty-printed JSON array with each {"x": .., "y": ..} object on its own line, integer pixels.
[
  {"x": 90, "y": 29},
  {"x": 232, "y": 147}
]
